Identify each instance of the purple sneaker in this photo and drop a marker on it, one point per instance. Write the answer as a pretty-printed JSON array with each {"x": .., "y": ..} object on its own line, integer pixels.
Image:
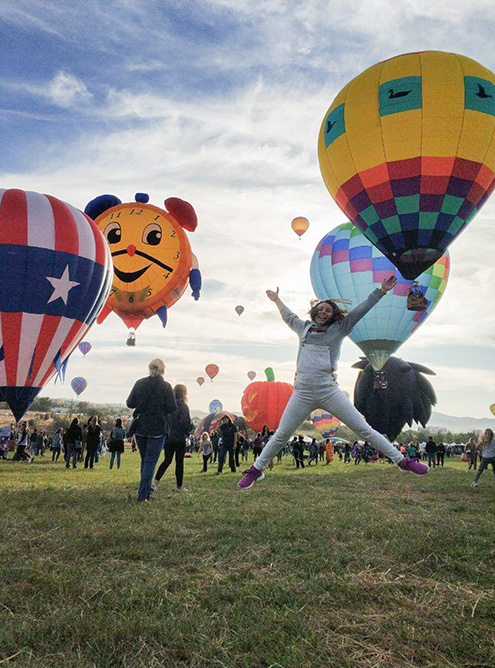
[
  {"x": 412, "y": 466},
  {"x": 250, "y": 476}
]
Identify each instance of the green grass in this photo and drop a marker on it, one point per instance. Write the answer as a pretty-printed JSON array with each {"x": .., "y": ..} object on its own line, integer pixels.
[{"x": 331, "y": 566}]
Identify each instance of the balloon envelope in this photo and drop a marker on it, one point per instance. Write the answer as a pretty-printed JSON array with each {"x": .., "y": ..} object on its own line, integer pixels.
[
  {"x": 347, "y": 265},
  {"x": 55, "y": 276},
  {"x": 407, "y": 150},
  {"x": 492, "y": 408},
  {"x": 300, "y": 225},
  {"x": 324, "y": 422},
  {"x": 200, "y": 380},
  {"x": 78, "y": 384},
  {"x": 215, "y": 406},
  {"x": 239, "y": 309},
  {"x": 251, "y": 375},
  {"x": 211, "y": 370},
  {"x": 85, "y": 347}
]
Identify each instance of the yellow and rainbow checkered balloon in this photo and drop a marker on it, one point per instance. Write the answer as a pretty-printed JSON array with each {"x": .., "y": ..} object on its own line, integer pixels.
[{"x": 407, "y": 150}]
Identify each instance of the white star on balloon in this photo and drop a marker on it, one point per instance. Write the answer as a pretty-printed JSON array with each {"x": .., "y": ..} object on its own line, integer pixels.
[{"x": 61, "y": 286}]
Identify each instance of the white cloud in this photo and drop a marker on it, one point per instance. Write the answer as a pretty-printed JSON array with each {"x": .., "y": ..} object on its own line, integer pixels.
[{"x": 65, "y": 90}]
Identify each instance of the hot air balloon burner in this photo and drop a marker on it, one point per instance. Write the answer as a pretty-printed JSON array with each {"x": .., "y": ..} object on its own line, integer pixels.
[
  {"x": 379, "y": 381},
  {"x": 131, "y": 339},
  {"x": 416, "y": 301}
]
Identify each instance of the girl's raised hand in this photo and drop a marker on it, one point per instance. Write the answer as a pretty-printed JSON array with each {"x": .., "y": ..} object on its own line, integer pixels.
[
  {"x": 388, "y": 283},
  {"x": 273, "y": 296}
]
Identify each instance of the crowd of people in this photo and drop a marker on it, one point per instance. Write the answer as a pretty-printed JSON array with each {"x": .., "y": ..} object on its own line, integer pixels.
[
  {"x": 85, "y": 444},
  {"x": 79, "y": 444}
]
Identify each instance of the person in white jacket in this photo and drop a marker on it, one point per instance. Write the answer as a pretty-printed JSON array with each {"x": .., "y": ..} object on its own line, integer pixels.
[{"x": 316, "y": 381}]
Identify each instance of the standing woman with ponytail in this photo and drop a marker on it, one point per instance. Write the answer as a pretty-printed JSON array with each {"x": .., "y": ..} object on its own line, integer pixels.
[{"x": 179, "y": 423}]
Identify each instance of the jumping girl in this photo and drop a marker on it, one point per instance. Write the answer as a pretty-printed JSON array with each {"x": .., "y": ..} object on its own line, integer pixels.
[{"x": 316, "y": 382}]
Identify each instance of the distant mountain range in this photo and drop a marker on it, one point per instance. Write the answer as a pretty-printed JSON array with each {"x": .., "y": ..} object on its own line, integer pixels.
[{"x": 460, "y": 424}]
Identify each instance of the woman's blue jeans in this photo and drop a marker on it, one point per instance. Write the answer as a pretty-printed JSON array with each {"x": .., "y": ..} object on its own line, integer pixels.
[
  {"x": 115, "y": 455},
  {"x": 150, "y": 448}
]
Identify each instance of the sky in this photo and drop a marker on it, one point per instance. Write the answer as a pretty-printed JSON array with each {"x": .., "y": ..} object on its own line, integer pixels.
[{"x": 220, "y": 103}]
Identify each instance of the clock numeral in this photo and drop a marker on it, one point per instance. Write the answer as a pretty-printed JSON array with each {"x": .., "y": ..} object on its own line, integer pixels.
[
  {"x": 148, "y": 292},
  {"x": 166, "y": 275},
  {"x": 131, "y": 298},
  {"x": 173, "y": 233},
  {"x": 132, "y": 211},
  {"x": 116, "y": 216},
  {"x": 138, "y": 213},
  {"x": 177, "y": 255},
  {"x": 113, "y": 291},
  {"x": 156, "y": 217}
]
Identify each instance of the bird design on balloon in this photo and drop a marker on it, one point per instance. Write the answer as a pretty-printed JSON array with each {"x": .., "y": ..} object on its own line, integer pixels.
[{"x": 407, "y": 151}]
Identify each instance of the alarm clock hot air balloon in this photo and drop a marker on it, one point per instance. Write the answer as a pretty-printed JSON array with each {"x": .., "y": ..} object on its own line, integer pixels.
[
  {"x": 407, "y": 150},
  {"x": 55, "y": 276},
  {"x": 152, "y": 257}
]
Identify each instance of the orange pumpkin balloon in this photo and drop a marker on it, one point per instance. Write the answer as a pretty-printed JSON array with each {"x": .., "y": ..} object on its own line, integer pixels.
[{"x": 264, "y": 402}]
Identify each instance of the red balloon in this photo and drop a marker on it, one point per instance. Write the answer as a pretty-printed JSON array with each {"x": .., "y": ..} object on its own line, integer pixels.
[
  {"x": 211, "y": 370},
  {"x": 264, "y": 402},
  {"x": 200, "y": 380}
]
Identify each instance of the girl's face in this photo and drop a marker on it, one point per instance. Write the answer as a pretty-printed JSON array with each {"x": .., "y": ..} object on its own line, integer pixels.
[{"x": 324, "y": 312}]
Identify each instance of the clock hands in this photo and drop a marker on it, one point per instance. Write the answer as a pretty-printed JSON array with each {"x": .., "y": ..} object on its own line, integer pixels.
[{"x": 145, "y": 255}]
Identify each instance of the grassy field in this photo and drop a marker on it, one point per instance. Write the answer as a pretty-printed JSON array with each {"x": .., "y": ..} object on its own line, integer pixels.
[{"x": 331, "y": 566}]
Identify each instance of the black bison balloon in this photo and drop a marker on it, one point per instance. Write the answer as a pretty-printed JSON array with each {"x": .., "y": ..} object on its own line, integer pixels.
[{"x": 399, "y": 393}]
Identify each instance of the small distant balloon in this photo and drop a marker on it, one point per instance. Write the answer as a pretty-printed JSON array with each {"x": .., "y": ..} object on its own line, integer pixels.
[
  {"x": 200, "y": 380},
  {"x": 492, "y": 408},
  {"x": 85, "y": 347},
  {"x": 239, "y": 309},
  {"x": 78, "y": 384},
  {"x": 211, "y": 370},
  {"x": 215, "y": 406},
  {"x": 300, "y": 225},
  {"x": 251, "y": 375}
]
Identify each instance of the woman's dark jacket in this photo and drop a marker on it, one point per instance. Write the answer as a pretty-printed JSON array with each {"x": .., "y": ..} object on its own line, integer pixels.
[
  {"x": 73, "y": 434},
  {"x": 152, "y": 399},
  {"x": 179, "y": 423},
  {"x": 93, "y": 437}
]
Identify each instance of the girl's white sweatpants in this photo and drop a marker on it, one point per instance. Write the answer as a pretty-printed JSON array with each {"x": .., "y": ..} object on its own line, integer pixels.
[{"x": 310, "y": 393}]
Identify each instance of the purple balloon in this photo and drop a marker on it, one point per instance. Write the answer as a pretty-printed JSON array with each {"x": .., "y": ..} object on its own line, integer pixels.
[{"x": 78, "y": 384}]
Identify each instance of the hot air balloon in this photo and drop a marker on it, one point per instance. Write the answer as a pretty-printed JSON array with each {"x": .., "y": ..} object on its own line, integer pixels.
[
  {"x": 239, "y": 309},
  {"x": 251, "y": 375},
  {"x": 300, "y": 225},
  {"x": 346, "y": 264},
  {"x": 55, "y": 276},
  {"x": 212, "y": 422},
  {"x": 200, "y": 380},
  {"x": 406, "y": 396},
  {"x": 326, "y": 423},
  {"x": 152, "y": 257},
  {"x": 407, "y": 150},
  {"x": 215, "y": 406},
  {"x": 78, "y": 384},
  {"x": 211, "y": 371},
  {"x": 85, "y": 347},
  {"x": 264, "y": 402},
  {"x": 492, "y": 408}
]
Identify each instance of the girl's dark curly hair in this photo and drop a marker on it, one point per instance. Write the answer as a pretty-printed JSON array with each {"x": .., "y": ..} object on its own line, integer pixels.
[{"x": 338, "y": 313}]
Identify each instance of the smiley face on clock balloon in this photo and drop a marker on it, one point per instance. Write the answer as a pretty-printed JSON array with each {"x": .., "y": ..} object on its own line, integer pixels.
[{"x": 152, "y": 257}]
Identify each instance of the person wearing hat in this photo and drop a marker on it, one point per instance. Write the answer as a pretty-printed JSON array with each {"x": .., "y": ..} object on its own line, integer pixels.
[{"x": 316, "y": 381}]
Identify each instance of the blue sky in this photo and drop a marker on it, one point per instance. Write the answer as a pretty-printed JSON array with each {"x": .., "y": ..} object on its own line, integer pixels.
[{"x": 220, "y": 103}]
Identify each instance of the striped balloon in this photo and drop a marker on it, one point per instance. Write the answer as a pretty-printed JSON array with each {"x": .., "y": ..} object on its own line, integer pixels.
[
  {"x": 85, "y": 347},
  {"x": 326, "y": 423},
  {"x": 347, "y": 265},
  {"x": 55, "y": 276},
  {"x": 78, "y": 384}
]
